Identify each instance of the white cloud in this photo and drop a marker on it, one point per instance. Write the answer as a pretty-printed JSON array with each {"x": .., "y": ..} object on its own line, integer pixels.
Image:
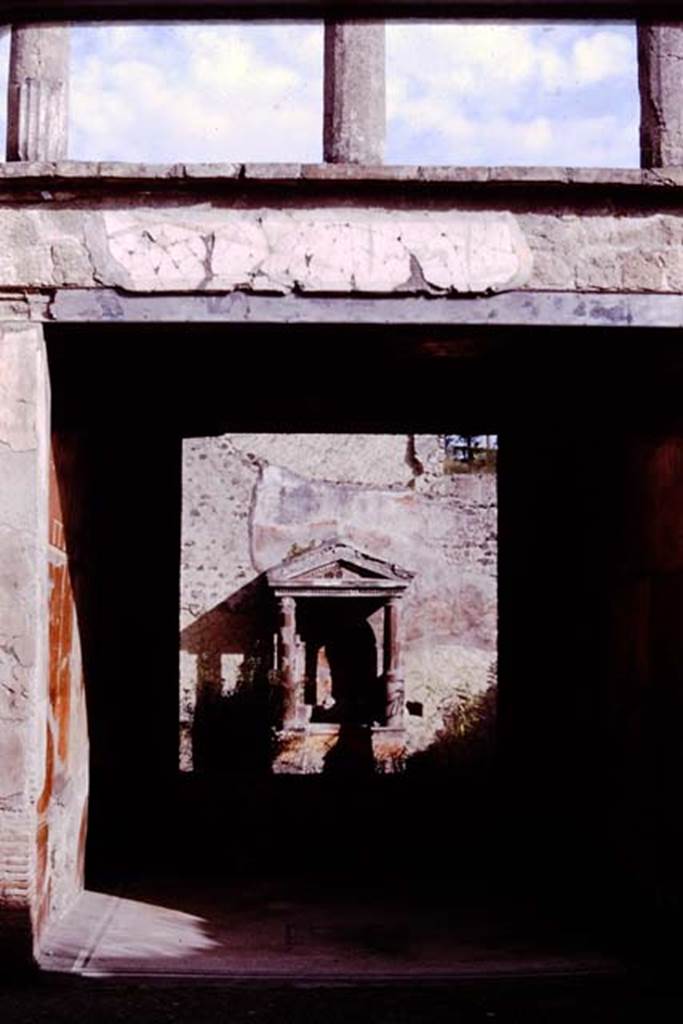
[
  {"x": 601, "y": 56},
  {"x": 198, "y": 93},
  {"x": 512, "y": 94},
  {"x": 495, "y": 61}
]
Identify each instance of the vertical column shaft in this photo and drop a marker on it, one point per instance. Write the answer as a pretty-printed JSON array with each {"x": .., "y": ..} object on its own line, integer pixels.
[
  {"x": 355, "y": 92},
  {"x": 393, "y": 675},
  {"x": 287, "y": 654},
  {"x": 660, "y": 73},
  {"x": 38, "y": 92}
]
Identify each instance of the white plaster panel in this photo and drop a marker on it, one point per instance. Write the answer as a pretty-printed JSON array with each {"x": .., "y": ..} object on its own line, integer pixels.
[
  {"x": 161, "y": 247},
  {"x": 318, "y": 251}
]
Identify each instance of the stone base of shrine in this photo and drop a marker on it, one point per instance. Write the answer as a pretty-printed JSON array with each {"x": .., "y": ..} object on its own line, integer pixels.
[{"x": 344, "y": 749}]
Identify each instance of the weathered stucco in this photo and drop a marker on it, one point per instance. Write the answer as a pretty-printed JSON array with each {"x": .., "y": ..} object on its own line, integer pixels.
[
  {"x": 354, "y": 80},
  {"x": 37, "y": 92},
  {"x": 63, "y": 803},
  {"x": 43, "y": 729},
  {"x": 24, "y": 444},
  {"x": 308, "y": 250},
  {"x": 324, "y": 250},
  {"x": 251, "y": 501},
  {"x": 660, "y": 52}
]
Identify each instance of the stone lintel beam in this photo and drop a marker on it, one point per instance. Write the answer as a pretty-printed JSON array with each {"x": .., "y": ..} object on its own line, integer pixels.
[
  {"x": 355, "y": 92},
  {"x": 37, "y": 93},
  {"x": 660, "y": 71}
]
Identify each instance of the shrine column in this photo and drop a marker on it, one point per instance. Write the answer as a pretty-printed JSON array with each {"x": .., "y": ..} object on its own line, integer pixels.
[
  {"x": 354, "y": 96},
  {"x": 37, "y": 93},
  {"x": 393, "y": 674},
  {"x": 286, "y": 659},
  {"x": 660, "y": 73}
]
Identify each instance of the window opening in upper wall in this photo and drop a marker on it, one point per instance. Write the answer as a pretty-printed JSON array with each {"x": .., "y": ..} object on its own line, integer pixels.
[
  {"x": 461, "y": 93},
  {"x": 512, "y": 93},
  {"x": 197, "y": 92}
]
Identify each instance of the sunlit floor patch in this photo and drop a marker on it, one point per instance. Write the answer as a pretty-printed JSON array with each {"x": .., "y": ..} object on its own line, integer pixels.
[{"x": 256, "y": 932}]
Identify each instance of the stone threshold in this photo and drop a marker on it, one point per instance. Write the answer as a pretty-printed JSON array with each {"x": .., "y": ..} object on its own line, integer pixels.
[{"x": 333, "y": 729}]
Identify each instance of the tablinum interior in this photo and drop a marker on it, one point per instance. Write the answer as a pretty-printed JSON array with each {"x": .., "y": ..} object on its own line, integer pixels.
[{"x": 565, "y": 815}]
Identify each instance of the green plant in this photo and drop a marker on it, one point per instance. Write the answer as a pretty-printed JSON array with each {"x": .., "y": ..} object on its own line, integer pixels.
[{"x": 465, "y": 744}]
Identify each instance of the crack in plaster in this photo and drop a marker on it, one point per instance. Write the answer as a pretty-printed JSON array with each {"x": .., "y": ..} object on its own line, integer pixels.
[
  {"x": 251, "y": 514},
  {"x": 22, "y": 449},
  {"x": 209, "y": 241},
  {"x": 414, "y": 463},
  {"x": 312, "y": 252},
  {"x": 7, "y": 647}
]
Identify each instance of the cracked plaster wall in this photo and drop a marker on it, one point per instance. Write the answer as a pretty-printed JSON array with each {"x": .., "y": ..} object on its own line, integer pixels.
[
  {"x": 277, "y": 251},
  {"x": 206, "y": 247},
  {"x": 249, "y": 500},
  {"x": 43, "y": 729},
  {"x": 24, "y": 439}
]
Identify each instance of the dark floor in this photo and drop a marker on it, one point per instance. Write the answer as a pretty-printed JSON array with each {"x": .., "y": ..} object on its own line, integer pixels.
[
  {"x": 311, "y": 931},
  {"x": 585, "y": 1001}
]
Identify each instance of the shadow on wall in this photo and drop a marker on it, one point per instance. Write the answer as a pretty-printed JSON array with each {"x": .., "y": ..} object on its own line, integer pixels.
[{"x": 235, "y": 730}]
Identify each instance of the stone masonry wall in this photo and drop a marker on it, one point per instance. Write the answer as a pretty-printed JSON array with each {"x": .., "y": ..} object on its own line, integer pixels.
[
  {"x": 322, "y": 250},
  {"x": 250, "y": 500}
]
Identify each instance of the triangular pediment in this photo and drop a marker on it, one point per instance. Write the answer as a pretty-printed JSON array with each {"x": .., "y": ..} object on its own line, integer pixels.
[
  {"x": 338, "y": 570},
  {"x": 336, "y": 561}
]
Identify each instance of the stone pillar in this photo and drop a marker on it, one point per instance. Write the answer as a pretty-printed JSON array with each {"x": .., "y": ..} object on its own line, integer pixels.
[
  {"x": 355, "y": 105},
  {"x": 660, "y": 72},
  {"x": 24, "y": 455},
  {"x": 393, "y": 675},
  {"x": 287, "y": 658},
  {"x": 37, "y": 93}
]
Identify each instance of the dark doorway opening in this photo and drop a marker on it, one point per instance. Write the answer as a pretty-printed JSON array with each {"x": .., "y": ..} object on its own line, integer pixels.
[
  {"x": 123, "y": 399},
  {"x": 349, "y": 648},
  {"x": 539, "y": 834}
]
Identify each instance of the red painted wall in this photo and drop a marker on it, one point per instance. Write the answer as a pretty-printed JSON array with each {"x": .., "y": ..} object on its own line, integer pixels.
[{"x": 62, "y": 805}]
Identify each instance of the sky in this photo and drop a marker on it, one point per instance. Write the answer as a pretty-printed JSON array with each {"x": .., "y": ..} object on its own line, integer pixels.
[{"x": 463, "y": 94}]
